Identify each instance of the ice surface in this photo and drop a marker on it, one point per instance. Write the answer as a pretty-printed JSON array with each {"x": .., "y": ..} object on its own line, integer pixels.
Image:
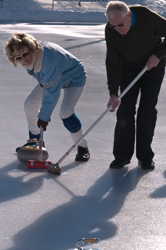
[{"x": 126, "y": 209}]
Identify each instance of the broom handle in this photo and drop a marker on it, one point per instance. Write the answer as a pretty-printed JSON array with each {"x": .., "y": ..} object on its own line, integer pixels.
[
  {"x": 131, "y": 84},
  {"x": 41, "y": 133},
  {"x": 40, "y": 144},
  {"x": 101, "y": 117}
]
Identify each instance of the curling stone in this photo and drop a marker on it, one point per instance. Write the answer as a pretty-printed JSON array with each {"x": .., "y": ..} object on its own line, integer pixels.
[
  {"x": 27, "y": 153},
  {"x": 86, "y": 241}
]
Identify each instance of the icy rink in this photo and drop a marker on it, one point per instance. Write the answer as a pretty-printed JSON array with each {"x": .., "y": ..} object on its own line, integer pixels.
[{"x": 125, "y": 208}]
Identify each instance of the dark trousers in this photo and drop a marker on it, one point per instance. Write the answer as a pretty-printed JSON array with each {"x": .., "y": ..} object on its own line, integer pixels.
[{"x": 142, "y": 126}]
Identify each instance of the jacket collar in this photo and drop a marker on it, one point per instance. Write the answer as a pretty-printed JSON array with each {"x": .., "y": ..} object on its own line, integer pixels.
[{"x": 38, "y": 59}]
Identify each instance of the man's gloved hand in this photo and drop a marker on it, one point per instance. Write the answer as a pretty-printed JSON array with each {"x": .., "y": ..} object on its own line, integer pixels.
[{"x": 42, "y": 123}]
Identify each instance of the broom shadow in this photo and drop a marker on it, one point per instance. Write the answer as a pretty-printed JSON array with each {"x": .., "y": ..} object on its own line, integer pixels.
[
  {"x": 160, "y": 192},
  {"x": 13, "y": 185}
]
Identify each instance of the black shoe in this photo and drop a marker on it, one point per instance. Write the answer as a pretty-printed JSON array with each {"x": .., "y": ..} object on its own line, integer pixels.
[
  {"x": 31, "y": 142},
  {"x": 82, "y": 154},
  {"x": 118, "y": 163},
  {"x": 146, "y": 164}
]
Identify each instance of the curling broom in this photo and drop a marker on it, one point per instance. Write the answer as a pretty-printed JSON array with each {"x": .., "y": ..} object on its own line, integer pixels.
[{"x": 54, "y": 167}]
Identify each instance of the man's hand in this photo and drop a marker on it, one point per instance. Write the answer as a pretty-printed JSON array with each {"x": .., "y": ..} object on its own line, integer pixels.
[
  {"x": 42, "y": 123},
  {"x": 114, "y": 102},
  {"x": 152, "y": 62}
]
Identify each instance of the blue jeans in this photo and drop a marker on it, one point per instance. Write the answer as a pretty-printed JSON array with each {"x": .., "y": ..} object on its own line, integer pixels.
[{"x": 140, "y": 124}]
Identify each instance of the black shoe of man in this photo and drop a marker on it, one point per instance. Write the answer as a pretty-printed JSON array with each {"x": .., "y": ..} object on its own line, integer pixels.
[
  {"x": 146, "y": 164},
  {"x": 119, "y": 163}
]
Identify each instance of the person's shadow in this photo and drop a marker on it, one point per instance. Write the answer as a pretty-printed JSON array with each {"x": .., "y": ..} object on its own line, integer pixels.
[
  {"x": 160, "y": 192},
  {"x": 83, "y": 216}
]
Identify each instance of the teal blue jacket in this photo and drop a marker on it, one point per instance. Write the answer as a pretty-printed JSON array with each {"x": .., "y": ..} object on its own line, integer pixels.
[{"x": 57, "y": 69}]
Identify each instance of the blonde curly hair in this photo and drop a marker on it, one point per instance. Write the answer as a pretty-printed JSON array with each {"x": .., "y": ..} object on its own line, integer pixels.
[{"x": 19, "y": 41}]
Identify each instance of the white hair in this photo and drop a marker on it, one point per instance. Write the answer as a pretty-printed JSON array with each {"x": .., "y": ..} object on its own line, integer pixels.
[{"x": 116, "y": 6}]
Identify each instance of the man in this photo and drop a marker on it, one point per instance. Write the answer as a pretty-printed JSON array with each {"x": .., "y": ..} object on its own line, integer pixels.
[
  {"x": 55, "y": 69},
  {"x": 134, "y": 39}
]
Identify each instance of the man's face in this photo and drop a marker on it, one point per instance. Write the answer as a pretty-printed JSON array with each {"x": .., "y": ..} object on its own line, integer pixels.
[
  {"x": 120, "y": 23},
  {"x": 24, "y": 57}
]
